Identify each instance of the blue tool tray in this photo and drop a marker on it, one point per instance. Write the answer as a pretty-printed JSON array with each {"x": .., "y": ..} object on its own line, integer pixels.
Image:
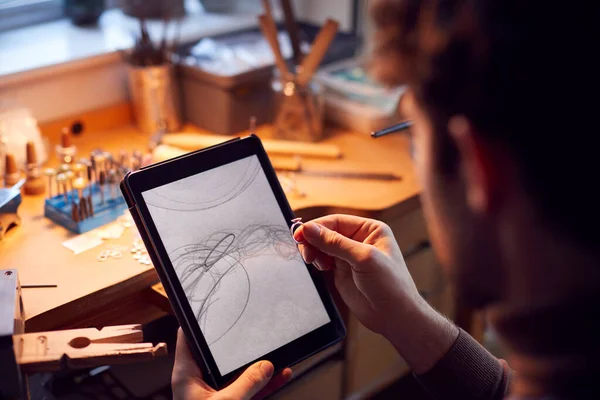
[{"x": 58, "y": 210}]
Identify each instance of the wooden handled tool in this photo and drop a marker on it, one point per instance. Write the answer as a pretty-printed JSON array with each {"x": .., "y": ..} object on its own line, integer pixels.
[
  {"x": 269, "y": 30},
  {"x": 83, "y": 348},
  {"x": 311, "y": 62},
  {"x": 165, "y": 152},
  {"x": 194, "y": 141},
  {"x": 267, "y": 6},
  {"x": 292, "y": 28}
]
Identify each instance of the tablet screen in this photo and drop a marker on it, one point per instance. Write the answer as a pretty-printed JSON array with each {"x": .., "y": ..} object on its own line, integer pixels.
[{"x": 233, "y": 253}]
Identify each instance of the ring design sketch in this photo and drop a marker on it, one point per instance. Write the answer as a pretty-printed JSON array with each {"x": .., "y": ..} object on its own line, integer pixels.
[
  {"x": 296, "y": 223},
  {"x": 214, "y": 276},
  {"x": 176, "y": 197}
]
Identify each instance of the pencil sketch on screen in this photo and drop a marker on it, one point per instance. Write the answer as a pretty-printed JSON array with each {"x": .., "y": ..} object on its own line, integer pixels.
[{"x": 237, "y": 263}]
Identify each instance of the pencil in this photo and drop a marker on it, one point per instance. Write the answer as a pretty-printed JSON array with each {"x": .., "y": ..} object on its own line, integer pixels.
[
  {"x": 392, "y": 129},
  {"x": 37, "y": 286}
]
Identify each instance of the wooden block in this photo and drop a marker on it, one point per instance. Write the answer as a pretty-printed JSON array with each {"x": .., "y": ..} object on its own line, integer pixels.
[
  {"x": 194, "y": 141},
  {"x": 83, "y": 348}
]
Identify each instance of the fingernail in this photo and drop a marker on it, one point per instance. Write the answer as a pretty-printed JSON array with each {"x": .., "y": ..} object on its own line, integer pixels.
[
  {"x": 317, "y": 266},
  {"x": 311, "y": 230},
  {"x": 267, "y": 369},
  {"x": 303, "y": 258}
]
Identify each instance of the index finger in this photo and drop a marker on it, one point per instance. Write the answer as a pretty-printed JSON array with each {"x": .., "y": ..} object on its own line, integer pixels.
[{"x": 350, "y": 226}]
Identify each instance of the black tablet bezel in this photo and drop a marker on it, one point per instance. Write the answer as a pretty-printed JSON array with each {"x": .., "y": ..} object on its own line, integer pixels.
[{"x": 191, "y": 164}]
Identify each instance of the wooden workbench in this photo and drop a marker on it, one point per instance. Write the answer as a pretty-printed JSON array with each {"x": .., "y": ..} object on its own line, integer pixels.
[{"x": 92, "y": 293}]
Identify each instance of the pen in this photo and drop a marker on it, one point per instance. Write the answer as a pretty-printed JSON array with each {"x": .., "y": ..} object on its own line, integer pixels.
[
  {"x": 392, "y": 129},
  {"x": 37, "y": 286}
]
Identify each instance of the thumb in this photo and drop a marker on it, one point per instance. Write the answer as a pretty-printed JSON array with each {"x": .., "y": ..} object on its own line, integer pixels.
[
  {"x": 250, "y": 382},
  {"x": 335, "y": 244}
]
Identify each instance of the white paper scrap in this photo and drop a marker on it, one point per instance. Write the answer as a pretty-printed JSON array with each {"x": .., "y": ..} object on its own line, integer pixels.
[
  {"x": 82, "y": 243},
  {"x": 112, "y": 231}
]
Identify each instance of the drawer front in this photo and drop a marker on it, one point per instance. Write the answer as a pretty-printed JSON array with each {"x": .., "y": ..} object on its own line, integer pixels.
[
  {"x": 372, "y": 362},
  {"x": 323, "y": 383}
]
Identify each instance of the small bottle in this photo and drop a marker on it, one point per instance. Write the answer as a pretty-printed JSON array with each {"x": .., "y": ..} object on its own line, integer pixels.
[
  {"x": 12, "y": 175},
  {"x": 34, "y": 185},
  {"x": 66, "y": 151}
]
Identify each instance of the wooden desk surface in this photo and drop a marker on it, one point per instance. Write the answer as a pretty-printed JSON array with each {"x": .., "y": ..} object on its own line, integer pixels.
[{"x": 85, "y": 284}]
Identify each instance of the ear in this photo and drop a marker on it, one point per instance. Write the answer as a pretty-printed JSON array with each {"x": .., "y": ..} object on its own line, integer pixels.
[{"x": 482, "y": 176}]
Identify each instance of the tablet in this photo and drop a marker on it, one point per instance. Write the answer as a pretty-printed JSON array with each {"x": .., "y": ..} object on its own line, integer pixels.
[{"x": 216, "y": 225}]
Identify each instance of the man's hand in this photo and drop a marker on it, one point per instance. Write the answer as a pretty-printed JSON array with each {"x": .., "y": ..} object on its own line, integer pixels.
[
  {"x": 254, "y": 383},
  {"x": 368, "y": 267},
  {"x": 372, "y": 279}
]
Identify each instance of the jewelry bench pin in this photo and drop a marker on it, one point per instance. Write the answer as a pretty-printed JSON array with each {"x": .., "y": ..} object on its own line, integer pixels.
[{"x": 83, "y": 348}]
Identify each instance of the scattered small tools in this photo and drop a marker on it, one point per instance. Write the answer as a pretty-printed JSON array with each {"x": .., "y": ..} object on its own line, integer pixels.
[{"x": 82, "y": 191}]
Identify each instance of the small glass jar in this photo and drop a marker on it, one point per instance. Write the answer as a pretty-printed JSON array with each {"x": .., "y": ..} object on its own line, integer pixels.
[{"x": 299, "y": 110}]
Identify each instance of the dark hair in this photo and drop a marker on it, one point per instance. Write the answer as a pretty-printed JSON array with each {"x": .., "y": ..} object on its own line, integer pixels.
[{"x": 525, "y": 73}]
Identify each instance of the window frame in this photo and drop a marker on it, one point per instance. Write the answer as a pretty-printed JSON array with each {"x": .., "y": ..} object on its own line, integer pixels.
[{"x": 26, "y": 13}]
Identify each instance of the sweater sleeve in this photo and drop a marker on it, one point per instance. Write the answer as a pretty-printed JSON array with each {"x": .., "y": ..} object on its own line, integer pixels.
[{"x": 467, "y": 371}]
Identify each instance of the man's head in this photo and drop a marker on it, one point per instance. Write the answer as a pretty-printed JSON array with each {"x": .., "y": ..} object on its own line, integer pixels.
[{"x": 503, "y": 95}]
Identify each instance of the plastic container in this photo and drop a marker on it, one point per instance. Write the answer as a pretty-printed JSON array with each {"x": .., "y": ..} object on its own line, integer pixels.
[
  {"x": 226, "y": 79},
  {"x": 353, "y": 101},
  {"x": 224, "y": 104}
]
